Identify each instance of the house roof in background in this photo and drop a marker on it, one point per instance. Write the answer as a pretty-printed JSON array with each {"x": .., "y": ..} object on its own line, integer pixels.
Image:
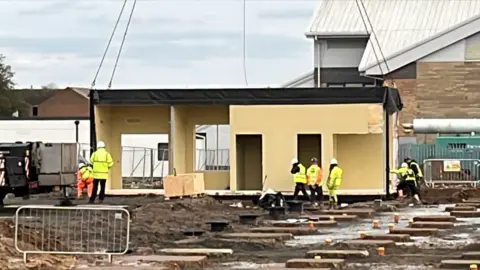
[
  {"x": 35, "y": 97},
  {"x": 398, "y": 24}
]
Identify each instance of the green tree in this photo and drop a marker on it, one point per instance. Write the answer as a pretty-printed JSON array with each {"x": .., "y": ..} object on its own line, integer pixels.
[{"x": 9, "y": 101}]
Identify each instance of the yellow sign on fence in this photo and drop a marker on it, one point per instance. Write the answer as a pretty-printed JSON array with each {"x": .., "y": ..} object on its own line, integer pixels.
[{"x": 451, "y": 166}]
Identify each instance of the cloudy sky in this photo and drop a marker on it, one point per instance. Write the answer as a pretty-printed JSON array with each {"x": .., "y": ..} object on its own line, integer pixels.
[{"x": 170, "y": 42}]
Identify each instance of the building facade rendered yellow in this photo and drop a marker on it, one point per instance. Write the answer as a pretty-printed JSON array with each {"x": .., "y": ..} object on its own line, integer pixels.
[{"x": 263, "y": 140}]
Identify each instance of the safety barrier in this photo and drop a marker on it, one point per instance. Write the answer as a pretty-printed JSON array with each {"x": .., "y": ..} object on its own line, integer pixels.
[
  {"x": 75, "y": 230},
  {"x": 451, "y": 172}
]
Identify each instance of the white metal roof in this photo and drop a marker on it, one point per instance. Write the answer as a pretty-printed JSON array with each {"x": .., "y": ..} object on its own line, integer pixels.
[
  {"x": 302, "y": 79},
  {"x": 399, "y": 25}
]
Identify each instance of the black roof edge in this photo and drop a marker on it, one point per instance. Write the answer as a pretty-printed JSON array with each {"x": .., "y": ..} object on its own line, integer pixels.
[
  {"x": 44, "y": 118},
  {"x": 389, "y": 97}
]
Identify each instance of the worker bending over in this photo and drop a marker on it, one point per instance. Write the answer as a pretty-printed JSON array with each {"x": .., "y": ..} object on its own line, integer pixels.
[
  {"x": 102, "y": 162},
  {"x": 412, "y": 164},
  {"x": 333, "y": 183},
  {"x": 409, "y": 181},
  {"x": 299, "y": 178},
  {"x": 84, "y": 179},
  {"x": 314, "y": 181}
]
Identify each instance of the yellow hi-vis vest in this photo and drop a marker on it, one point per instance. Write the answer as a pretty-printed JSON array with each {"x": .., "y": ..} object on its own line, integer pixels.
[
  {"x": 300, "y": 177},
  {"x": 335, "y": 178},
  {"x": 406, "y": 174},
  {"x": 414, "y": 164},
  {"x": 102, "y": 162}
]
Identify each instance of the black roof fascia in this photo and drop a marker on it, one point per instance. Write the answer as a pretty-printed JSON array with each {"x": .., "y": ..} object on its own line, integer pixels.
[{"x": 251, "y": 96}]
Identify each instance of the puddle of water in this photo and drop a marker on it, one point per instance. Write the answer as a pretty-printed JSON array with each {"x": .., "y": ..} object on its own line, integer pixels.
[
  {"x": 382, "y": 266},
  {"x": 346, "y": 231},
  {"x": 250, "y": 265}
]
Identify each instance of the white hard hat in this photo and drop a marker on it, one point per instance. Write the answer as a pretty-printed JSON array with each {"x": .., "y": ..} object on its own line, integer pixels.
[
  {"x": 404, "y": 165},
  {"x": 100, "y": 144},
  {"x": 333, "y": 161},
  {"x": 294, "y": 160},
  {"x": 80, "y": 165}
]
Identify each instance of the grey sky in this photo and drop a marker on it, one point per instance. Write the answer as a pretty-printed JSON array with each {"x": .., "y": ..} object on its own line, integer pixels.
[{"x": 170, "y": 42}]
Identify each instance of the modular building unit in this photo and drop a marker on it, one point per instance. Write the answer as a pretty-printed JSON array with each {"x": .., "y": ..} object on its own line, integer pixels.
[{"x": 269, "y": 127}]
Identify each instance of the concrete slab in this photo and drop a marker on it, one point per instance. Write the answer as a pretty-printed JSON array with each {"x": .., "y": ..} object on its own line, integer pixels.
[
  {"x": 338, "y": 218},
  {"x": 210, "y": 252},
  {"x": 315, "y": 263},
  {"x": 338, "y": 254},
  {"x": 472, "y": 255},
  {"x": 415, "y": 231},
  {"x": 435, "y": 218},
  {"x": 360, "y": 212},
  {"x": 465, "y": 214},
  {"x": 181, "y": 261},
  {"x": 472, "y": 204},
  {"x": 460, "y": 208},
  {"x": 288, "y": 230},
  {"x": 393, "y": 237},
  {"x": 434, "y": 225},
  {"x": 123, "y": 267},
  {"x": 323, "y": 223},
  {"x": 263, "y": 236},
  {"x": 458, "y": 264},
  {"x": 360, "y": 243}
]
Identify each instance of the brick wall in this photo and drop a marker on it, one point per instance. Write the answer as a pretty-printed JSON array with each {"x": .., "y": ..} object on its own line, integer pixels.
[
  {"x": 65, "y": 103},
  {"x": 440, "y": 90}
]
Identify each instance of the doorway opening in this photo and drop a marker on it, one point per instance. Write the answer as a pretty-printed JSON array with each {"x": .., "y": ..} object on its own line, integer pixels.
[
  {"x": 249, "y": 162},
  {"x": 309, "y": 146}
]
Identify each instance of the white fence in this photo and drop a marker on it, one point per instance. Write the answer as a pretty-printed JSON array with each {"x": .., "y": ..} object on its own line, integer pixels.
[{"x": 72, "y": 230}]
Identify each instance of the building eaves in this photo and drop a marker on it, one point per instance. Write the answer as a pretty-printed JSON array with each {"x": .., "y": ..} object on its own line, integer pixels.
[
  {"x": 398, "y": 24},
  {"x": 424, "y": 47}
]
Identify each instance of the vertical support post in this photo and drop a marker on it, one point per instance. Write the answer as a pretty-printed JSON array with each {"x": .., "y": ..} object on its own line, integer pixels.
[
  {"x": 152, "y": 163},
  {"x": 387, "y": 152},
  {"x": 217, "y": 151},
  {"x": 76, "y": 130},
  {"x": 171, "y": 140}
]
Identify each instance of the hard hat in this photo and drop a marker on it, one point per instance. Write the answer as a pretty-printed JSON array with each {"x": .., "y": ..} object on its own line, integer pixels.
[
  {"x": 333, "y": 161},
  {"x": 294, "y": 160},
  {"x": 80, "y": 165},
  {"x": 100, "y": 144},
  {"x": 404, "y": 165},
  {"x": 314, "y": 160}
]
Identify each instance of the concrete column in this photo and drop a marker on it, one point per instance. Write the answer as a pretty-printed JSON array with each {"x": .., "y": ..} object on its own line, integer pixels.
[{"x": 329, "y": 151}]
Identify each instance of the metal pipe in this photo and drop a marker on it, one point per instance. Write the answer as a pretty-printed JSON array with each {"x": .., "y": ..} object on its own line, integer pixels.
[{"x": 455, "y": 126}]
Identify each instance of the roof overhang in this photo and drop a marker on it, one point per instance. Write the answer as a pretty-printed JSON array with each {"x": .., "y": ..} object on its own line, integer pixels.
[
  {"x": 423, "y": 48},
  {"x": 389, "y": 97},
  {"x": 331, "y": 35}
]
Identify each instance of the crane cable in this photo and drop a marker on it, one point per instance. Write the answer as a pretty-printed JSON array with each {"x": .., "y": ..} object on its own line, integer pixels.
[
  {"x": 108, "y": 44},
  {"x": 244, "y": 45},
  {"x": 123, "y": 42},
  {"x": 361, "y": 5}
]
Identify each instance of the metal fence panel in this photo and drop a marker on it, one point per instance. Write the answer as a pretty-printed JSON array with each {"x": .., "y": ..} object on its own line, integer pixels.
[
  {"x": 421, "y": 152},
  {"x": 451, "y": 171},
  {"x": 72, "y": 230}
]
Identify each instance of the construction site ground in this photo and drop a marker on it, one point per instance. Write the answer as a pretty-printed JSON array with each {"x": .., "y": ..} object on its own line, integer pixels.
[{"x": 441, "y": 240}]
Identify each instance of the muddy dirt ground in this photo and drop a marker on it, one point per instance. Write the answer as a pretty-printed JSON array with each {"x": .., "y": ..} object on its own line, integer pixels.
[{"x": 158, "y": 224}]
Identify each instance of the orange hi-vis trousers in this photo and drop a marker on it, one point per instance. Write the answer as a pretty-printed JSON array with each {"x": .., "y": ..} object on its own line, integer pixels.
[{"x": 82, "y": 184}]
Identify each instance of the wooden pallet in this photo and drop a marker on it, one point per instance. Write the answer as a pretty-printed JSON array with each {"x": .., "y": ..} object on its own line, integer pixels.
[{"x": 199, "y": 195}]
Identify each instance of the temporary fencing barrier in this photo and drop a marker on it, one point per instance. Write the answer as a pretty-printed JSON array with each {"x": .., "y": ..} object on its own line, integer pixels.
[
  {"x": 76, "y": 230},
  {"x": 451, "y": 172}
]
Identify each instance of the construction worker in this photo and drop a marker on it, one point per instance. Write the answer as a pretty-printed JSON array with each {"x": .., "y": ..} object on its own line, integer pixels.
[
  {"x": 314, "y": 181},
  {"x": 410, "y": 181},
  {"x": 333, "y": 183},
  {"x": 299, "y": 178},
  {"x": 102, "y": 162},
  {"x": 84, "y": 179},
  {"x": 416, "y": 168}
]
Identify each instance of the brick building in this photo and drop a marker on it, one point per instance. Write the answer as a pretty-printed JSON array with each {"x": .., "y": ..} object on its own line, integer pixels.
[
  {"x": 68, "y": 102},
  {"x": 429, "y": 48}
]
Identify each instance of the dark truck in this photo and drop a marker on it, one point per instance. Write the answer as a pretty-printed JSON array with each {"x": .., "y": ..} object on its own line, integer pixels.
[{"x": 28, "y": 168}]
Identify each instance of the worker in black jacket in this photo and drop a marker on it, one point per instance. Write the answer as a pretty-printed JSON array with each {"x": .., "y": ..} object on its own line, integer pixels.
[{"x": 299, "y": 173}]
